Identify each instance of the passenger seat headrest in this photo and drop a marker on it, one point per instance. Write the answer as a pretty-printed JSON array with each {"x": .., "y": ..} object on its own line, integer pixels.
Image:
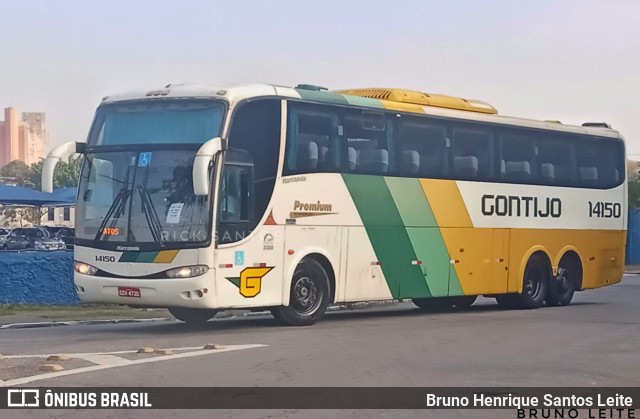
[
  {"x": 374, "y": 161},
  {"x": 518, "y": 168},
  {"x": 308, "y": 155},
  {"x": 589, "y": 173},
  {"x": 410, "y": 161},
  {"x": 547, "y": 171},
  {"x": 466, "y": 166}
]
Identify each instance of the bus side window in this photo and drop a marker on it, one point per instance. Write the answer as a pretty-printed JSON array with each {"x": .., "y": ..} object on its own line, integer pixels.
[
  {"x": 313, "y": 141},
  {"x": 599, "y": 162},
  {"x": 369, "y": 135},
  {"x": 555, "y": 160},
  {"x": 422, "y": 148},
  {"x": 517, "y": 158},
  {"x": 471, "y": 156}
]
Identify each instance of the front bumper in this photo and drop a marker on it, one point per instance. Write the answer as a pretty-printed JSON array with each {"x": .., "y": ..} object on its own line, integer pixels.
[{"x": 196, "y": 292}]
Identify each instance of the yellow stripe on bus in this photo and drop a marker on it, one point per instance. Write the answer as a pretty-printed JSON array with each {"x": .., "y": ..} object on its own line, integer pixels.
[
  {"x": 166, "y": 256},
  {"x": 446, "y": 203}
]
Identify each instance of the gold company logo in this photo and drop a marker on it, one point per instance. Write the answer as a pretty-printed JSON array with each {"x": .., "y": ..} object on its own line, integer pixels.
[{"x": 250, "y": 280}]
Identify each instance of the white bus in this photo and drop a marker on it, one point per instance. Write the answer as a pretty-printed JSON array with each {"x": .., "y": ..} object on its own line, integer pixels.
[{"x": 201, "y": 199}]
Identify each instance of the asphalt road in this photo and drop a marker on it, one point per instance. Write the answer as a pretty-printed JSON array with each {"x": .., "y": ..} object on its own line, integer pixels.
[{"x": 593, "y": 342}]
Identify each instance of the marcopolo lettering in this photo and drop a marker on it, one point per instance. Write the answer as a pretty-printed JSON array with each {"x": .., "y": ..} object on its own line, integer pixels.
[{"x": 521, "y": 206}]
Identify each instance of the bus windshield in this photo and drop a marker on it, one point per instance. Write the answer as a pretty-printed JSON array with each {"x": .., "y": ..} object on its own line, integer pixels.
[
  {"x": 160, "y": 121},
  {"x": 141, "y": 199}
]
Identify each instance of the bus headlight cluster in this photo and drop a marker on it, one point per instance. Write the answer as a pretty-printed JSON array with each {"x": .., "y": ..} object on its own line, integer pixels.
[
  {"x": 187, "y": 271},
  {"x": 84, "y": 268}
]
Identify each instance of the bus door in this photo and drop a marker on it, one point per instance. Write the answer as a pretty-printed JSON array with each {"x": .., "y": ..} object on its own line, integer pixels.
[{"x": 249, "y": 256}]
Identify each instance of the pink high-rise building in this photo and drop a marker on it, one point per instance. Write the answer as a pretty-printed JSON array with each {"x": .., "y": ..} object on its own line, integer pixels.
[{"x": 22, "y": 136}]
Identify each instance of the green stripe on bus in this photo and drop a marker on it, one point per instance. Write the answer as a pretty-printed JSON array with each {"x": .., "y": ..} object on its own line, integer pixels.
[
  {"x": 425, "y": 235},
  {"x": 364, "y": 101},
  {"x": 128, "y": 257},
  {"x": 388, "y": 235},
  {"x": 138, "y": 257},
  {"x": 322, "y": 96}
]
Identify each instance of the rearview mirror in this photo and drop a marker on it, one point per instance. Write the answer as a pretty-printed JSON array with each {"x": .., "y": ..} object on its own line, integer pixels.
[
  {"x": 201, "y": 163},
  {"x": 63, "y": 151}
]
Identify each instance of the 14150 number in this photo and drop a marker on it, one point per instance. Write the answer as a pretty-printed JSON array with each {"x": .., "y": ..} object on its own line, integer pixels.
[{"x": 600, "y": 209}]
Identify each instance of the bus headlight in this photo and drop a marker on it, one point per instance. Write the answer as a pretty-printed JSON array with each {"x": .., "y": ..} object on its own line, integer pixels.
[
  {"x": 187, "y": 271},
  {"x": 84, "y": 268}
]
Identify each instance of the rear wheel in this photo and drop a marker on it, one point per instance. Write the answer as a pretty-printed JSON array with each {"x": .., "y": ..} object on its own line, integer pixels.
[
  {"x": 192, "y": 315},
  {"x": 566, "y": 282},
  {"x": 309, "y": 295},
  {"x": 535, "y": 284}
]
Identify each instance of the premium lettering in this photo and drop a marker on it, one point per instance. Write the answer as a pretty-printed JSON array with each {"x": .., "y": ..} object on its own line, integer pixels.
[{"x": 314, "y": 206}]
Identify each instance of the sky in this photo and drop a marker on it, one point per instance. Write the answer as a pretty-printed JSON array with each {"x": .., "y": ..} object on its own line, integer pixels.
[{"x": 572, "y": 61}]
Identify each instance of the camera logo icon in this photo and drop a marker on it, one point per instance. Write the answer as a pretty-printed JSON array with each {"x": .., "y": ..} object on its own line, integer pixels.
[{"x": 23, "y": 397}]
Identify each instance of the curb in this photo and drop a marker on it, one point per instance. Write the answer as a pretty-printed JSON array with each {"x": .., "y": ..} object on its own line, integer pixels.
[
  {"x": 77, "y": 322},
  {"x": 33, "y": 325}
]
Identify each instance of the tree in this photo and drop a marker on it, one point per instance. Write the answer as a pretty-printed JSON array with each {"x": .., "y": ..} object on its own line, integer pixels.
[
  {"x": 634, "y": 192},
  {"x": 66, "y": 174},
  {"x": 35, "y": 174},
  {"x": 633, "y": 178},
  {"x": 16, "y": 170},
  {"x": 12, "y": 214}
]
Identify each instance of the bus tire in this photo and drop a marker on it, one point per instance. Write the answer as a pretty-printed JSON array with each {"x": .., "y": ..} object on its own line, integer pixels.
[
  {"x": 565, "y": 284},
  {"x": 434, "y": 304},
  {"x": 192, "y": 315},
  {"x": 535, "y": 283},
  {"x": 309, "y": 296}
]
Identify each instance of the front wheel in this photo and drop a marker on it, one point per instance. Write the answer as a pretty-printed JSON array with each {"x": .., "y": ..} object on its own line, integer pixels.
[
  {"x": 309, "y": 296},
  {"x": 192, "y": 315}
]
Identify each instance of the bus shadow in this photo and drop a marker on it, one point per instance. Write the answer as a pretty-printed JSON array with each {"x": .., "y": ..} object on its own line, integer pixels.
[{"x": 259, "y": 321}]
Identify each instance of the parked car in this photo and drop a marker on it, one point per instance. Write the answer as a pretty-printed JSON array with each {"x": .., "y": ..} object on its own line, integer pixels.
[
  {"x": 67, "y": 235},
  {"x": 3, "y": 235},
  {"x": 32, "y": 238},
  {"x": 53, "y": 230}
]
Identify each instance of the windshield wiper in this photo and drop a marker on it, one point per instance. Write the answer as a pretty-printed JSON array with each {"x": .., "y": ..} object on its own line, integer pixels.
[
  {"x": 150, "y": 214},
  {"x": 116, "y": 207},
  {"x": 149, "y": 210}
]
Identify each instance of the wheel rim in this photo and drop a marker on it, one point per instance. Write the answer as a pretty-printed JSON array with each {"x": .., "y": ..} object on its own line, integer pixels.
[
  {"x": 533, "y": 282},
  {"x": 306, "y": 297}
]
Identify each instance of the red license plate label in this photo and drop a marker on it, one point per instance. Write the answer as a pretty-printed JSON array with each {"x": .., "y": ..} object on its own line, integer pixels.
[{"x": 129, "y": 292}]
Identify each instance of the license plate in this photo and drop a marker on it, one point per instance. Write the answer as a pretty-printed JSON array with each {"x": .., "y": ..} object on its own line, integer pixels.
[{"x": 129, "y": 292}]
